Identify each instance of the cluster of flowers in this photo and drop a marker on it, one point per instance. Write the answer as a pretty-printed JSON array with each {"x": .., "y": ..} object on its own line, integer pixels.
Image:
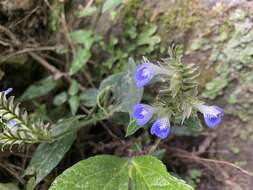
[
  {"x": 12, "y": 122},
  {"x": 143, "y": 113}
]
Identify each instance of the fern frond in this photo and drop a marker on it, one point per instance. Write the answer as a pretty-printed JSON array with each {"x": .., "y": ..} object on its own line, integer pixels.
[{"x": 24, "y": 130}]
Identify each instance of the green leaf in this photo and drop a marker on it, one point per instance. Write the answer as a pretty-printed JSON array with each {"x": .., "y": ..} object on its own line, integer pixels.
[
  {"x": 89, "y": 97},
  {"x": 38, "y": 89},
  {"x": 126, "y": 91},
  {"x": 109, "y": 4},
  {"x": 81, "y": 57},
  {"x": 112, "y": 173},
  {"x": 111, "y": 81},
  {"x": 85, "y": 37},
  {"x": 60, "y": 98},
  {"x": 148, "y": 172},
  {"x": 99, "y": 172},
  {"x": 73, "y": 89},
  {"x": 47, "y": 156},
  {"x": 65, "y": 126},
  {"x": 74, "y": 103},
  {"x": 132, "y": 128},
  {"x": 31, "y": 183},
  {"x": 148, "y": 37},
  {"x": 89, "y": 11},
  {"x": 124, "y": 88},
  {"x": 8, "y": 186}
]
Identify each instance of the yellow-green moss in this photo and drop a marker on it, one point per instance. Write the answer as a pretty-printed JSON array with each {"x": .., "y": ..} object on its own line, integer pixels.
[
  {"x": 179, "y": 17},
  {"x": 133, "y": 12}
]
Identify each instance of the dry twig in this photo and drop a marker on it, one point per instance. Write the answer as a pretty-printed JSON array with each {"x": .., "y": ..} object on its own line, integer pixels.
[
  {"x": 154, "y": 146},
  {"x": 27, "y": 50},
  {"x": 14, "y": 173},
  {"x": 206, "y": 143},
  {"x": 10, "y": 35},
  {"x": 186, "y": 155}
]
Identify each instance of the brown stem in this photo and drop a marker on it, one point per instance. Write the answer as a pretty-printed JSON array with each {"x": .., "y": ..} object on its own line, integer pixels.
[{"x": 154, "y": 146}]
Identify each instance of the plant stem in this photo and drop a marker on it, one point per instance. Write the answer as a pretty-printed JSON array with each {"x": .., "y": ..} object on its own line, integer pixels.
[{"x": 154, "y": 146}]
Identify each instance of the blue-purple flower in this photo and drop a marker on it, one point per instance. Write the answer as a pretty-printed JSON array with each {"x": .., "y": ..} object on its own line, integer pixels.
[
  {"x": 212, "y": 114},
  {"x": 8, "y": 91},
  {"x": 142, "y": 113},
  {"x": 161, "y": 128},
  {"x": 145, "y": 72},
  {"x": 11, "y": 123}
]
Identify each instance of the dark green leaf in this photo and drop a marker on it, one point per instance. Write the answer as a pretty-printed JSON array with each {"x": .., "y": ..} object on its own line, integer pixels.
[
  {"x": 87, "y": 11},
  {"x": 65, "y": 126},
  {"x": 126, "y": 91},
  {"x": 124, "y": 88},
  {"x": 38, "y": 89},
  {"x": 111, "y": 81},
  {"x": 81, "y": 57},
  {"x": 74, "y": 103},
  {"x": 89, "y": 97},
  {"x": 84, "y": 37},
  {"x": 109, "y": 4},
  {"x": 31, "y": 183},
  {"x": 60, "y": 99},
  {"x": 132, "y": 128},
  {"x": 47, "y": 156},
  {"x": 73, "y": 89}
]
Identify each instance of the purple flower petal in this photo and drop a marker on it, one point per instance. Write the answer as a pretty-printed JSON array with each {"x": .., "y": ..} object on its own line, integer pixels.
[
  {"x": 11, "y": 123},
  {"x": 8, "y": 91},
  {"x": 212, "y": 115},
  {"x": 145, "y": 72},
  {"x": 161, "y": 128},
  {"x": 142, "y": 113},
  {"x": 143, "y": 75},
  {"x": 213, "y": 120}
]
